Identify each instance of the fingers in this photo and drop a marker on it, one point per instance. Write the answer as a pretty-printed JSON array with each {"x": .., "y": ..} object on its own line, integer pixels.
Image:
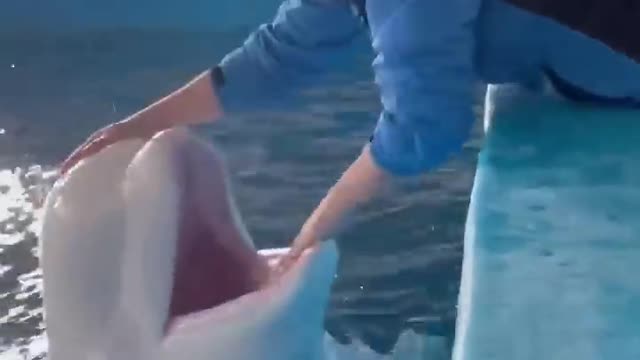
[
  {"x": 93, "y": 145},
  {"x": 303, "y": 242},
  {"x": 286, "y": 261},
  {"x": 126, "y": 129}
]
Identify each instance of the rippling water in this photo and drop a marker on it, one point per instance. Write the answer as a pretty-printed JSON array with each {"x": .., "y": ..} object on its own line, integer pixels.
[{"x": 400, "y": 261}]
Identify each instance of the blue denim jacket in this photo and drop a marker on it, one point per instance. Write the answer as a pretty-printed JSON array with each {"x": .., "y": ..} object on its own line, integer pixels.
[{"x": 428, "y": 56}]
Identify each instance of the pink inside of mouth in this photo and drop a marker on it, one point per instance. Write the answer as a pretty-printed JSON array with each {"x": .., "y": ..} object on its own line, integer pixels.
[
  {"x": 213, "y": 264},
  {"x": 207, "y": 272}
]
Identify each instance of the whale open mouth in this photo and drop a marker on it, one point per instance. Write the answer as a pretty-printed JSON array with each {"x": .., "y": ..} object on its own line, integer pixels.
[
  {"x": 212, "y": 265},
  {"x": 145, "y": 256},
  {"x": 215, "y": 261},
  {"x": 209, "y": 271}
]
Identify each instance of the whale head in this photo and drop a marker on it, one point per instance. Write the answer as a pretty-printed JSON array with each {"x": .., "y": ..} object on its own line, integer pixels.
[{"x": 145, "y": 256}]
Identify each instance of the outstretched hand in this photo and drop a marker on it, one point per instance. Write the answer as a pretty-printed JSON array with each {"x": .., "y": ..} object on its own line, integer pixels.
[
  {"x": 362, "y": 180},
  {"x": 300, "y": 244},
  {"x": 111, "y": 134},
  {"x": 194, "y": 103}
]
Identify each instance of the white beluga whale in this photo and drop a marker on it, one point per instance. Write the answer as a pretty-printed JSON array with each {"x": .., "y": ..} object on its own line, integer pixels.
[{"x": 144, "y": 256}]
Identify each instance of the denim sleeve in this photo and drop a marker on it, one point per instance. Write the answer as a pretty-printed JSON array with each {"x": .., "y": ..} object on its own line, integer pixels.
[
  {"x": 424, "y": 69},
  {"x": 302, "y": 42}
]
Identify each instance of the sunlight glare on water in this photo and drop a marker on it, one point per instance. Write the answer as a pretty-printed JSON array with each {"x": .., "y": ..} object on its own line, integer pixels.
[{"x": 20, "y": 311}]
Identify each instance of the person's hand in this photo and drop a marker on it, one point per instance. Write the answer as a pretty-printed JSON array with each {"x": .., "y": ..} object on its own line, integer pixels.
[
  {"x": 305, "y": 240},
  {"x": 194, "y": 103},
  {"x": 111, "y": 134},
  {"x": 362, "y": 180}
]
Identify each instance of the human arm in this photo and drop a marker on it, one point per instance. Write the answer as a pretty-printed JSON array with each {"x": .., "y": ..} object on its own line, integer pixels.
[
  {"x": 194, "y": 103},
  {"x": 355, "y": 187},
  {"x": 305, "y": 39},
  {"x": 279, "y": 57},
  {"x": 424, "y": 70}
]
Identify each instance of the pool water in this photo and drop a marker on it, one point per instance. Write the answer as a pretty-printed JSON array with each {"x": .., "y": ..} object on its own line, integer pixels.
[{"x": 401, "y": 259}]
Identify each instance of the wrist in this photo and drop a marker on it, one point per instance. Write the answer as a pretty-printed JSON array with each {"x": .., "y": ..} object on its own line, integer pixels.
[
  {"x": 195, "y": 103},
  {"x": 201, "y": 97},
  {"x": 216, "y": 81},
  {"x": 362, "y": 181},
  {"x": 308, "y": 232}
]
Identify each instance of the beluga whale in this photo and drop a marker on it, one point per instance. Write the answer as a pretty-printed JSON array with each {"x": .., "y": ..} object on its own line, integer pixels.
[{"x": 145, "y": 257}]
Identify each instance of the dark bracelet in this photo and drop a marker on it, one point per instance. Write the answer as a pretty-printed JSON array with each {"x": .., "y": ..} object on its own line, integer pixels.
[
  {"x": 217, "y": 77},
  {"x": 359, "y": 8}
]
